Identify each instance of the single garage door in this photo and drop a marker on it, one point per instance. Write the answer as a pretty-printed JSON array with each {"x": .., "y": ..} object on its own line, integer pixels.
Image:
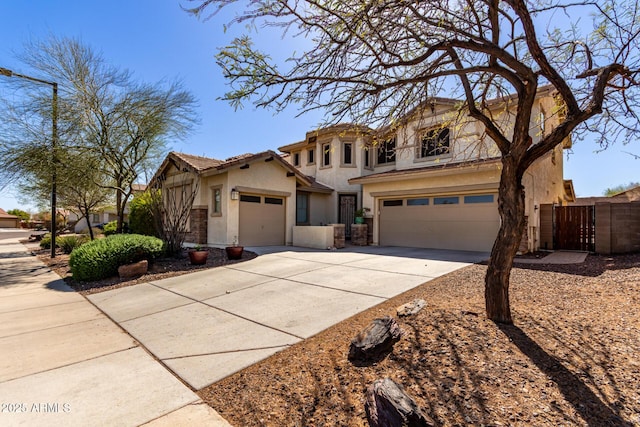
[
  {"x": 463, "y": 222},
  {"x": 262, "y": 220}
]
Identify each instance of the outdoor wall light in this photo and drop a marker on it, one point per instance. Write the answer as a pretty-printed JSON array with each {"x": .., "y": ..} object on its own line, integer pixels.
[{"x": 234, "y": 194}]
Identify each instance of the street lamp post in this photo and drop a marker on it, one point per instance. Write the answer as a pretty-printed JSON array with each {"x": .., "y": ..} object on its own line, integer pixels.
[{"x": 54, "y": 142}]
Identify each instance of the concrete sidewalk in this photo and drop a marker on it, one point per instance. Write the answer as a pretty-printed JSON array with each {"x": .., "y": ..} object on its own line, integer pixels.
[
  {"x": 556, "y": 257},
  {"x": 207, "y": 325},
  {"x": 64, "y": 363}
]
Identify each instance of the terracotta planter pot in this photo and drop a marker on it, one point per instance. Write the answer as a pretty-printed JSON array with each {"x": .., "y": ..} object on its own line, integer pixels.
[
  {"x": 234, "y": 252},
  {"x": 198, "y": 257}
]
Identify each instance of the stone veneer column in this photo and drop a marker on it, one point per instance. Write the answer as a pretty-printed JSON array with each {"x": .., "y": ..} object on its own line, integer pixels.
[
  {"x": 359, "y": 234},
  {"x": 198, "y": 225},
  {"x": 338, "y": 235}
]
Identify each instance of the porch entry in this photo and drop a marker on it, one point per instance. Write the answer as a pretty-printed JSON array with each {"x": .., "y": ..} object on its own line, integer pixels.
[
  {"x": 575, "y": 228},
  {"x": 347, "y": 211}
]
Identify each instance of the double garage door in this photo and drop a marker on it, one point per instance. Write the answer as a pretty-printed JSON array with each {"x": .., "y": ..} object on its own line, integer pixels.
[
  {"x": 462, "y": 222},
  {"x": 262, "y": 220}
]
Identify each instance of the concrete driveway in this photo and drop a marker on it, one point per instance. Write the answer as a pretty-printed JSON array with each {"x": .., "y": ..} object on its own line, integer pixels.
[{"x": 207, "y": 325}]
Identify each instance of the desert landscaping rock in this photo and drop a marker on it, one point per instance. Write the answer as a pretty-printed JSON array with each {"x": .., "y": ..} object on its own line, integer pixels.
[
  {"x": 375, "y": 340},
  {"x": 412, "y": 307},
  {"x": 387, "y": 404},
  {"x": 136, "y": 269}
]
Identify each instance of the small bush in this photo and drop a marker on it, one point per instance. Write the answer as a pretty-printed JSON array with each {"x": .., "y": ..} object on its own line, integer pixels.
[
  {"x": 110, "y": 228},
  {"x": 96, "y": 231},
  {"x": 141, "y": 213},
  {"x": 69, "y": 243},
  {"x": 101, "y": 258},
  {"x": 45, "y": 242}
]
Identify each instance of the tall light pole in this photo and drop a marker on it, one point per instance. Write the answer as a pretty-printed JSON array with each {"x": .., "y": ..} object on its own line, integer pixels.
[{"x": 54, "y": 143}]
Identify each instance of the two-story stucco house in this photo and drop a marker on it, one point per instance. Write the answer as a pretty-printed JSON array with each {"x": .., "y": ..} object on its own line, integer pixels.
[{"x": 431, "y": 181}]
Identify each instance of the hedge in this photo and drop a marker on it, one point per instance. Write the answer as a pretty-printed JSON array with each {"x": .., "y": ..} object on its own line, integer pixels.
[{"x": 101, "y": 258}]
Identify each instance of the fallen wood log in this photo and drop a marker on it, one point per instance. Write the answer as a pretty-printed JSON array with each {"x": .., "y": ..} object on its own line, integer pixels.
[
  {"x": 387, "y": 405},
  {"x": 375, "y": 340}
]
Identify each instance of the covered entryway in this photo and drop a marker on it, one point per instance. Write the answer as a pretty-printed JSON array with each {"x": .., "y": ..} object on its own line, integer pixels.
[
  {"x": 347, "y": 211},
  {"x": 262, "y": 220},
  {"x": 461, "y": 222}
]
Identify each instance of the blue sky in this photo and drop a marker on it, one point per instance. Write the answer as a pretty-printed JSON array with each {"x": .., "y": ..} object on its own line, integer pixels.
[{"x": 157, "y": 40}]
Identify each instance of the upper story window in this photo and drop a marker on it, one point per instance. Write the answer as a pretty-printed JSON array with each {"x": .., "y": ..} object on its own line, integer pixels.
[
  {"x": 435, "y": 142},
  {"x": 326, "y": 154},
  {"x": 387, "y": 151},
  {"x": 543, "y": 119},
  {"x": 311, "y": 156},
  {"x": 347, "y": 153},
  {"x": 296, "y": 159},
  {"x": 366, "y": 154}
]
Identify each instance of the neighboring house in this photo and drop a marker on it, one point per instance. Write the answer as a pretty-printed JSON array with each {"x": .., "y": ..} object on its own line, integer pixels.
[
  {"x": 248, "y": 199},
  {"x": 626, "y": 196},
  {"x": 105, "y": 215},
  {"x": 426, "y": 183},
  {"x": 8, "y": 221}
]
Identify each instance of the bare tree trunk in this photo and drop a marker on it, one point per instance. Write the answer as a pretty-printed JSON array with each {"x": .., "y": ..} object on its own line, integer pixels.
[
  {"x": 119, "y": 209},
  {"x": 86, "y": 215},
  {"x": 511, "y": 210}
]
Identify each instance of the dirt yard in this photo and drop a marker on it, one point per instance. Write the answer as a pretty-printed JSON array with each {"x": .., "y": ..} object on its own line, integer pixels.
[{"x": 572, "y": 357}]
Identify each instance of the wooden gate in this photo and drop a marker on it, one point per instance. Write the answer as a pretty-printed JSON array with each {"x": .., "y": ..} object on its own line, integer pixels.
[{"x": 575, "y": 228}]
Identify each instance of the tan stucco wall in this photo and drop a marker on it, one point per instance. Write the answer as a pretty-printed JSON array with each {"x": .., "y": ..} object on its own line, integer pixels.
[
  {"x": 319, "y": 209},
  {"x": 217, "y": 230},
  {"x": 317, "y": 237},
  {"x": 544, "y": 184},
  {"x": 265, "y": 178},
  {"x": 336, "y": 175}
]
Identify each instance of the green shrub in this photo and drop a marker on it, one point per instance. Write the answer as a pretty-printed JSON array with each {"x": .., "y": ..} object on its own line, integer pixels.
[
  {"x": 69, "y": 243},
  {"x": 101, "y": 258},
  {"x": 110, "y": 228},
  {"x": 96, "y": 231},
  {"x": 45, "y": 242},
  {"x": 141, "y": 213}
]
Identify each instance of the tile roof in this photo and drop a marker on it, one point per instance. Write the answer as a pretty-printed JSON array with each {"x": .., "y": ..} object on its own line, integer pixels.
[
  {"x": 199, "y": 163},
  {"x": 4, "y": 214}
]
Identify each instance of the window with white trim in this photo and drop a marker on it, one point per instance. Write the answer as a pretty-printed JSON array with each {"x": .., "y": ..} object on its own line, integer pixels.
[
  {"x": 216, "y": 201},
  {"x": 326, "y": 154},
  {"x": 434, "y": 142},
  {"x": 387, "y": 151},
  {"x": 347, "y": 153}
]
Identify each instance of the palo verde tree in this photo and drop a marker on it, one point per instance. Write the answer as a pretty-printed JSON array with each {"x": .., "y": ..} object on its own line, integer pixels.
[{"x": 372, "y": 62}]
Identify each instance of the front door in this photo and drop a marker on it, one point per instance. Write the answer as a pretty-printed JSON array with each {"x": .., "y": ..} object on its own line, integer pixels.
[{"x": 346, "y": 212}]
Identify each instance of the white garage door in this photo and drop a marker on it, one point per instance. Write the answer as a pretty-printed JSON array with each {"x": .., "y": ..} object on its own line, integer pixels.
[
  {"x": 262, "y": 220},
  {"x": 463, "y": 222}
]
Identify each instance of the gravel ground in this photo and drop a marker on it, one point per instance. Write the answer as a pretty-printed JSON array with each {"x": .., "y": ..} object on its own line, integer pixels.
[{"x": 570, "y": 359}]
